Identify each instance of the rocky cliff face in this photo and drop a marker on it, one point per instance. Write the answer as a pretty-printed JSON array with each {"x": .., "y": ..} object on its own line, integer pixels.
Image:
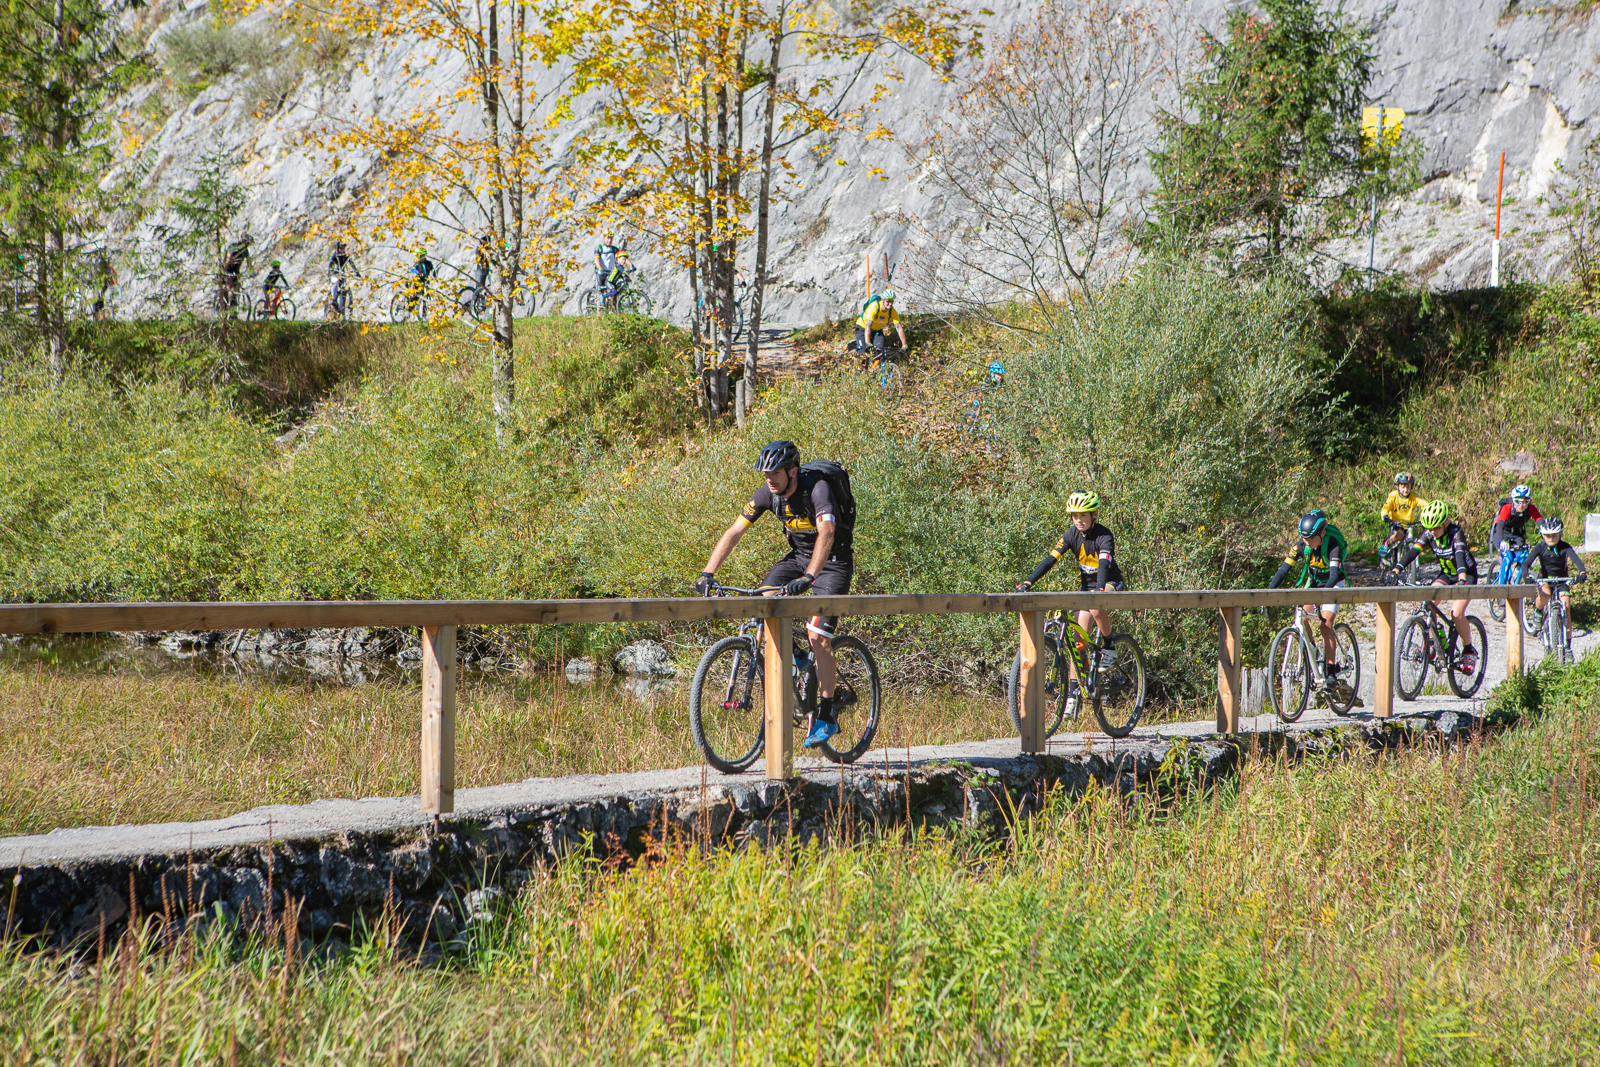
[{"x": 1476, "y": 77}]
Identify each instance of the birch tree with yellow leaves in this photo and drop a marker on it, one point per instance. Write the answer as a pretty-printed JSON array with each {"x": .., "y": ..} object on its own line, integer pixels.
[
  {"x": 706, "y": 97},
  {"x": 475, "y": 157}
]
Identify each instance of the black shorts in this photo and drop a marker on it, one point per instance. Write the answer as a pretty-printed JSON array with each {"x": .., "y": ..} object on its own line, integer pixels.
[
  {"x": 1113, "y": 581},
  {"x": 833, "y": 580},
  {"x": 1469, "y": 578}
]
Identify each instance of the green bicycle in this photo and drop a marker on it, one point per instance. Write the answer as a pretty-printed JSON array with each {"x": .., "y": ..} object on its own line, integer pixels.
[{"x": 1115, "y": 670}]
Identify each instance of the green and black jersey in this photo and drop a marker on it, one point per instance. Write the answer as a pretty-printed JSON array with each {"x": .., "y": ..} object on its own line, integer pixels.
[{"x": 1324, "y": 565}]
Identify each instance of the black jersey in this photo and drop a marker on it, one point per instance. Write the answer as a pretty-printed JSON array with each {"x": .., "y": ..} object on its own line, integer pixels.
[
  {"x": 1450, "y": 548},
  {"x": 812, "y": 501},
  {"x": 1553, "y": 561},
  {"x": 1093, "y": 549}
]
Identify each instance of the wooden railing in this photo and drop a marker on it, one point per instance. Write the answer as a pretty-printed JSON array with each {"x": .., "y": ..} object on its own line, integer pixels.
[{"x": 438, "y": 619}]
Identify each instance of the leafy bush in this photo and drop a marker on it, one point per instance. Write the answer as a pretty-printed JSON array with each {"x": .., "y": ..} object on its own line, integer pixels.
[{"x": 199, "y": 53}]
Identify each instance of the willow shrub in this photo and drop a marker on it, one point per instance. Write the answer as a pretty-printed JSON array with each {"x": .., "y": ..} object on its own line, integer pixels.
[
  {"x": 1183, "y": 400},
  {"x": 136, "y": 495}
]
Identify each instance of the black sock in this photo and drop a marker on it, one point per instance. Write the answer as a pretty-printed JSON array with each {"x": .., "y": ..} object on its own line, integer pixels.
[{"x": 825, "y": 710}]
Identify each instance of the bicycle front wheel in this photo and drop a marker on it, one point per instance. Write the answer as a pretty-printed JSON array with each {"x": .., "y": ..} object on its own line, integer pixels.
[
  {"x": 1347, "y": 657},
  {"x": 1119, "y": 685},
  {"x": 1562, "y": 635},
  {"x": 1056, "y": 687},
  {"x": 1497, "y": 610},
  {"x": 727, "y": 705},
  {"x": 467, "y": 302},
  {"x": 1411, "y": 657},
  {"x": 1466, "y": 683},
  {"x": 285, "y": 310},
  {"x": 399, "y": 307},
  {"x": 857, "y": 699},
  {"x": 1530, "y": 625},
  {"x": 1289, "y": 674}
]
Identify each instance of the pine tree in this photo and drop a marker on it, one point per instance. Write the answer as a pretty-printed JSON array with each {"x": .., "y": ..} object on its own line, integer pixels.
[
  {"x": 61, "y": 63},
  {"x": 1264, "y": 158}
]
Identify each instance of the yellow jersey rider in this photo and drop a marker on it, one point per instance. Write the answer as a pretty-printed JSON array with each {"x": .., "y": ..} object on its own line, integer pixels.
[
  {"x": 1400, "y": 510},
  {"x": 1092, "y": 545},
  {"x": 872, "y": 328}
]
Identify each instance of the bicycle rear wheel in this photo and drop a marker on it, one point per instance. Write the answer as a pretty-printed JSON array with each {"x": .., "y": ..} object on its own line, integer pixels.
[
  {"x": 1056, "y": 687},
  {"x": 1289, "y": 674},
  {"x": 1411, "y": 657},
  {"x": 258, "y": 310},
  {"x": 1463, "y": 683},
  {"x": 727, "y": 705},
  {"x": 857, "y": 686},
  {"x": 399, "y": 307},
  {"x": 1347, "y": 657},
  {"x": 467, "y": 302},
  {"x": 1530, "y": 626},
  {"x": 1119, "y": 686}
]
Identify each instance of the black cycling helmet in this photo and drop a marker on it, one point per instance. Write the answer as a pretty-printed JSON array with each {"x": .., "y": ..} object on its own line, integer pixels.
[
  {"x": 777, "y": 456},
  {"x": 1312, "y": 522}
]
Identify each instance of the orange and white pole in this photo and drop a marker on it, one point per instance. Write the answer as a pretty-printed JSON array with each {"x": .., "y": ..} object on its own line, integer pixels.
[{"x": 1494, "y": 249}]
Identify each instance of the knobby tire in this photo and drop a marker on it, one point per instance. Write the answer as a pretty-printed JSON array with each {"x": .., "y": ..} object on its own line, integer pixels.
[
  {"x": 730, "y": 738},
  {"x": 1119, "y": 692},
  {"x": 1289, "y": 673},
  {"x": 1056, "y": 699}
]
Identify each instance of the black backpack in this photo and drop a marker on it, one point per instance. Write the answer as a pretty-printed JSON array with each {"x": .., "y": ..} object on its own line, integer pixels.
[{"x": 838, "y": 480}]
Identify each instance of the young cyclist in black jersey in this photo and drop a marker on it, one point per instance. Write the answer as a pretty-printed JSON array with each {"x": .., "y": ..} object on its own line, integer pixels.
[
  {"x": 1095, "y": 550},
  {"x": 1323, "y": 548},
  {"x": 1554, "y": 557},
  {"x": 819, "y": 523},
  {"x": 1456, "y": 566}
]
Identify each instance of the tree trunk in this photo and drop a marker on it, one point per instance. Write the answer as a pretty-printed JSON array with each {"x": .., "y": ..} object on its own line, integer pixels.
[
  {"x": 51, "y": 294},
  {"x": 758, "y": 284}
]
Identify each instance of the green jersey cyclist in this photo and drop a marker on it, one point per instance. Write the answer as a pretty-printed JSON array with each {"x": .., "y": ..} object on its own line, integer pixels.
[
  {"x": 1323, "y": 549},
  {"x": 1456, "y": 565},
  {"x": 818, "y": 517}
]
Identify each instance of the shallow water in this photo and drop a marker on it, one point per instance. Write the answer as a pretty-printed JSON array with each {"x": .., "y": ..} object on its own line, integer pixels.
[{"x": 114, "y": 654}]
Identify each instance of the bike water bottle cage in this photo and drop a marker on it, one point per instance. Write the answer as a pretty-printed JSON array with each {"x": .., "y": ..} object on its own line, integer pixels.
[
  {"x": 1551, "y": 527},
  {"x": 777, "y": 456},
  {"x": 1522, "y": 492},
  {"x": 1312, "y": 523}
]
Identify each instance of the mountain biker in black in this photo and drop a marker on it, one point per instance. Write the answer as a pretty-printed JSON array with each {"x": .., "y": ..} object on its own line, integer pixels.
[
  {"x": 233, "y": 261},
  {"x": 340, "y": 264},
  {"x": 275, "y": 279},
  {"x": 1554, "y": 556},
  {"x": 1456, "y": 564},
  {"x": 483, "y": 259},
  {"x": 1094, "y": 549},
  {"x": 820, "y": 528},
  {"x": 1324, "y": 549}
]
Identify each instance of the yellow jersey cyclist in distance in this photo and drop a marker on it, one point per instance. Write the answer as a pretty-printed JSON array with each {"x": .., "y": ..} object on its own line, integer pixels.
[
  {"x": 1400, "y": 509},
  {"x": 1323, "y": 549},
  {"x": 1094, "y": 550}
]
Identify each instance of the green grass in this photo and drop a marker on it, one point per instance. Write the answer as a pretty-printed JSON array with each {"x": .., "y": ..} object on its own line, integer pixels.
[{"x": 1430, "y": 907}]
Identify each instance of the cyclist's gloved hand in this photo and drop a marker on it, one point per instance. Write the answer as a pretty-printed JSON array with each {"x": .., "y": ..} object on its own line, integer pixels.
[
  {"x": 702, "y": 584},
  {"x": 1576, "y": 578},
  {"x": 799, "y": 585},
  {"x": 1023, "y": 587}
]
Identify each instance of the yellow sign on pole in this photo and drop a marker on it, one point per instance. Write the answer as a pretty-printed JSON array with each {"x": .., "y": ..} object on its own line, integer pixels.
[{"x": 1380, "y": 128}]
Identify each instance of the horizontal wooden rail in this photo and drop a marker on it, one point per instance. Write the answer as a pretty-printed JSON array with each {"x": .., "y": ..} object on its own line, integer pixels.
[
  {"x": 344, "y": 614},
  {"x": 438, "y": 620}
]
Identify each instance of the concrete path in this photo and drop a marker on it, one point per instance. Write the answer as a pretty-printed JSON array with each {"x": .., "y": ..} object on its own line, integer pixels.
[{"x": 292, "y": 822}]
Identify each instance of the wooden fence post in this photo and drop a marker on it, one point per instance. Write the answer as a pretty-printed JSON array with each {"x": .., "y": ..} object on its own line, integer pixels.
[
  {"x": 778, "y": 685},
  {"x": 1230, "y": 693},
  {"x": 1030, "y": 699},
  {"x": 1513, "y": 636},
  {"x": 438, "y": 720},
  {"x": 1383, "y": 653}
]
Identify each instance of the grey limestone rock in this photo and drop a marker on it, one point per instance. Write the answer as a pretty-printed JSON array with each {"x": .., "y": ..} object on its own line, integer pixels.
[{"x": 647, "y": 658}]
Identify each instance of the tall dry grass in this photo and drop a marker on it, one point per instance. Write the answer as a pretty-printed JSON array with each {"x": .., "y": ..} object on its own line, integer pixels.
[{"x": 99, "y": 749}]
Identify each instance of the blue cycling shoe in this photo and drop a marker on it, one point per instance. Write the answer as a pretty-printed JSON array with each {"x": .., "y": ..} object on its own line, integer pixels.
[{"x": 821, "y": 731}]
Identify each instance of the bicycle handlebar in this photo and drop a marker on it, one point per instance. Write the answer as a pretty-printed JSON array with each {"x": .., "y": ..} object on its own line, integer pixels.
[{"x": 718, "y": 589}]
